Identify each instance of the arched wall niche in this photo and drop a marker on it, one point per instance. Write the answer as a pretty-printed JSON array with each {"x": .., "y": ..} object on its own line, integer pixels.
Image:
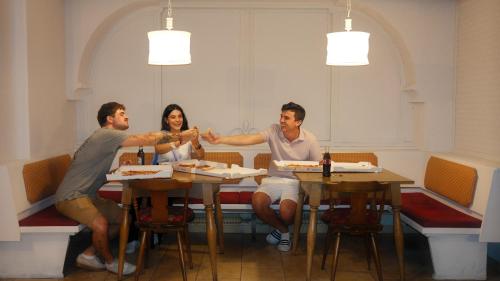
[{"x": 83, "y": 70}]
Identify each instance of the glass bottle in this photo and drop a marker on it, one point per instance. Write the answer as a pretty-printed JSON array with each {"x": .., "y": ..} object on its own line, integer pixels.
[
  {"x": 327, "y": 164},
  {"x": 140, "y": 156}
]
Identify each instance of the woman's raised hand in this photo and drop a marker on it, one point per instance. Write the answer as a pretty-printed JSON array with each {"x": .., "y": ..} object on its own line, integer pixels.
[{"x": 188, "y": 135}]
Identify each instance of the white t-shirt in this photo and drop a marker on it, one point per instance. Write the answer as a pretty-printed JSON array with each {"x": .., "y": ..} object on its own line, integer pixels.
[{"x": 182, "y": 152}]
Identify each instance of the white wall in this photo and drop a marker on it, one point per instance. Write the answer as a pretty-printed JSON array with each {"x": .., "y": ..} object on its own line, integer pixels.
[
  {"x": 52, "y": 118},
  {"x": 478, "y": 84},
  {"x": 250, "y": 57},
  {"x": 37, "y": 120},
  {"x": 13, "y": 82}
]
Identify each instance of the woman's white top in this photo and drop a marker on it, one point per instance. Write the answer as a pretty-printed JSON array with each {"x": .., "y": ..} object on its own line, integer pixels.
[{"x": 182, "y": 152}]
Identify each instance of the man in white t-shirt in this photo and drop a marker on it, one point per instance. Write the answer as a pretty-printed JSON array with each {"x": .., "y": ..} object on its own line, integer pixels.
[{"x": 287, "y": 141}]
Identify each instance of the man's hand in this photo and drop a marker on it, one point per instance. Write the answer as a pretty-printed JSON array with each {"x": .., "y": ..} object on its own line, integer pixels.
[{"x": 210, "y": 137}]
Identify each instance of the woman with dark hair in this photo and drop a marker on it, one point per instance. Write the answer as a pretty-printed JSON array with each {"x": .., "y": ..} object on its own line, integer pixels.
[{"x": 174, "y": 121}]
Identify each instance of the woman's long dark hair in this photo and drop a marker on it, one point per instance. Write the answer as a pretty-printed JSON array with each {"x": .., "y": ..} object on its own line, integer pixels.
[{"x": 166, "y": 113}]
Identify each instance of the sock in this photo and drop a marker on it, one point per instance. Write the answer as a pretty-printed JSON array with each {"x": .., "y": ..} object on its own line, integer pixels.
[{"x": 285, "y": 236}]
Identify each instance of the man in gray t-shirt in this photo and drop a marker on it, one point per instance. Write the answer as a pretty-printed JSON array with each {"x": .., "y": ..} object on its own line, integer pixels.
[
  {"x": 77, "y": 197},
  {"x": 287, "y": 141}
]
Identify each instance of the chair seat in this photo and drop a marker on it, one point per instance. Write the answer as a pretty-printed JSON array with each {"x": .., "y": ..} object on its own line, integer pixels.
[
  {"x": 341, "y": 216},
  {"x": 175, "y": 215}
]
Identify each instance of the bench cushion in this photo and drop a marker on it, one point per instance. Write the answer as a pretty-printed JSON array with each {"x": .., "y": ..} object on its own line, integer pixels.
[
  {"x": 111, "y": 195},
  {"x": 48, "y": 217},
  {"x": 429, "y": 212},
  {"x": 451, "y": 180}
]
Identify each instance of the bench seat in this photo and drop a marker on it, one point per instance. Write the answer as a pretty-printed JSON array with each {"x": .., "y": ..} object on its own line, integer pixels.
[
  {"x": 429, "y": 212},
  {"x": 47, "y": 217},
  {"x": 442, "y": 212}
]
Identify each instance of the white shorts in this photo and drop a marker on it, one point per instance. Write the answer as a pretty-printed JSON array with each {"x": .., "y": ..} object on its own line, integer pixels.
[{"x": 280, "y": 188}]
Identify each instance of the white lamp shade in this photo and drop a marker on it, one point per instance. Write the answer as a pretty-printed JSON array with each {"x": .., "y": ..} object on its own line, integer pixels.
[
  {"x": 347, "y": 48},
  {"x": 169, "y": 47}
]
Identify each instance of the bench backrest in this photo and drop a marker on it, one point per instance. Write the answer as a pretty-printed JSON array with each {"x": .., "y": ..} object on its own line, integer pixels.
[
  {"x": 225, "y": 157},
  {"x": 229, "y": 158},
  {"x": 130, "y": 158},
  {"x": 42, "y": 178},
  {"x": 262, "y": 160},
  {"x": 454, "y": 181}
]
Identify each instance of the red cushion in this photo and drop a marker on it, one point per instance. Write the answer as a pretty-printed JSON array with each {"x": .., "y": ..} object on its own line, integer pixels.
[
  {"x": 246, "y": 197},
  {"x": 175, "y": 215},
  {"x": 195, "y": 201},
  {"x": 226, "y": 197},
  {"x": 340, "y": 216},
  {"x": 229, "y": 197},
  {"x": 111, "y": 195},
  {"x": 429, "y": 212},
  {"x": 48, "y": 217}
]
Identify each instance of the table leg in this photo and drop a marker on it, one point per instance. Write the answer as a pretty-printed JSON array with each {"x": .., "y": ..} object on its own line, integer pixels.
[
  {"x": 311, "y": 240},
  {"x": 124, "y": 228},
  {"x": 297, "y": 222},
  {"x": 212, "y": 239},
  {"x": 398, "y": 240},
  {"x": 208, "y": 200},
  {"x": 220, "y": 223}
]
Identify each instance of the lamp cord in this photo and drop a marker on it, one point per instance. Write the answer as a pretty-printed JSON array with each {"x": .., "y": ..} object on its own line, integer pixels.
[
  {"x": 169, "y": 9},
  {"x": 348, "y": 8}
]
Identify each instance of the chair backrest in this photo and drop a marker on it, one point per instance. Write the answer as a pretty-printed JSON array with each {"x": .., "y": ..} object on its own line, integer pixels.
[
  {"x": 263, "y": 160},
  {"x": 452, "y": 180},
  {"x": 225, "y": 157},
  {"x": 366, "y": 205},
  {"x": 130, "y": 158},
  {"x": 355, "y": 157},
  {"x": 42, "y": 178},
  {"x": 158, "y": 190}
]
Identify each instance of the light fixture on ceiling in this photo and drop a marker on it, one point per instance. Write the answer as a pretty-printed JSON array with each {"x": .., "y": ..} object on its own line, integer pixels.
[
  {"x": 347, "y": 47},
  {"x": 167, "y": 46}
]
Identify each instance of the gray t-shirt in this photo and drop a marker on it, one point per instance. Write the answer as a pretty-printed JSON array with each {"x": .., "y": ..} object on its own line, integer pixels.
[
  {"x": 91, "y": 162},
  {"x": 303, "y": 148}
]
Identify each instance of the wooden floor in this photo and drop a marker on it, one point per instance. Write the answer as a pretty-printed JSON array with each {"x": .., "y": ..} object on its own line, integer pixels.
[{"x": 247, "y": 260}]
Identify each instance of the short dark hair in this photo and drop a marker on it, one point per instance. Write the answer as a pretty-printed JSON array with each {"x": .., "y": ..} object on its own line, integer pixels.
[
  {"x": 108, "y": 109},
  {"x": 300, "y": 112},
  {"x": 166, "y": 113}
]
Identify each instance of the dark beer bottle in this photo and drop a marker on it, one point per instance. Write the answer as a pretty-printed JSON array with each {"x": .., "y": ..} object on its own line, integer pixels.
[
  {"x": 327, "y": 164},
  {"x": 140, "y": 156}
]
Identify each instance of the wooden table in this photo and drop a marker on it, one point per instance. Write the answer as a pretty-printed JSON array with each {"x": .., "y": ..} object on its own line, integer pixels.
[
  {"x": 312, "y": 183},
  {"x": 210, "y": 190}
]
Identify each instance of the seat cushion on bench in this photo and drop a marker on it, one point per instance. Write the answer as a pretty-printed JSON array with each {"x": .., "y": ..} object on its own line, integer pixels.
[
  {"x": 429, "y": 212},
  {"x": 111, "y": 195},
  {"x": 48, "y": 217}
]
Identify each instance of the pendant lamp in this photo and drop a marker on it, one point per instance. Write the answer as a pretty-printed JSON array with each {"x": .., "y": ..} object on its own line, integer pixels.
[
  {"x": 167, "y": 46},
  {"x": 347, "y": 47}
]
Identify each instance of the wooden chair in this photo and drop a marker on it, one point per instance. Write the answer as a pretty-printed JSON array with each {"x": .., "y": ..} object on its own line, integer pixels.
[
  {"x": 161, "y": 218},
  {"x": 361, "y": 217},
  {"x": 261, "y": 161}
]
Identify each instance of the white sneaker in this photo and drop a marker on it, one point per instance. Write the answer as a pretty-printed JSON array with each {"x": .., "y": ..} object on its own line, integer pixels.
[
  {"x": 273, "y": 237},
  {"x": 284, "y": 245},
  {"x": 89, "y": 262},
  {"x": 132, "y": 246},
  {"x": 127, "y": 267}
]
